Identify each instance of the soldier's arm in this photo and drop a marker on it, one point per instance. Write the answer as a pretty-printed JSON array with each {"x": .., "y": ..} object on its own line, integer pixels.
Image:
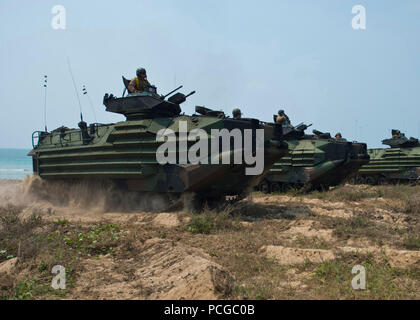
[
  {"x": 280, "y": 119},
  {"x": 144, "y": 85},
  {"x": 132, "y": 86}
]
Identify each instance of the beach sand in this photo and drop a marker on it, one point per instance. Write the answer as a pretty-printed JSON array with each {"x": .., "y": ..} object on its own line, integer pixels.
[{"x": 266, "y": 246}]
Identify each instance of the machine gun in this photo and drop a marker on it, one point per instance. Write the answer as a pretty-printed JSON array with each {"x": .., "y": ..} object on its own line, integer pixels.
[
  {"x": 321, "y": 135},
  {"x": 297, "y": 131},
  {"x": 179, "y": 97},
  {"x": 168, "y": 94},
  {"x": 302, "y": 127}
]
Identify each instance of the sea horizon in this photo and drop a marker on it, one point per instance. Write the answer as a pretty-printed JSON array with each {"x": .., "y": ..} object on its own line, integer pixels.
[{"x": 15, "y": 163}]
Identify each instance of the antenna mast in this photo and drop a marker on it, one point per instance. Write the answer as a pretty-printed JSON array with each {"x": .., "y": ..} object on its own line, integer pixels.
[
  {"x": 90, "y": 102},
  {"x": 45, "y": 102},
  {"x": 75, "y": 88}
]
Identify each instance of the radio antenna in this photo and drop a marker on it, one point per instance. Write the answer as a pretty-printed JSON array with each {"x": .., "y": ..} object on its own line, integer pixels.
[
  {"x": 45, "y": 102},
  {"x": 75, "y": 88},
  {"x": 90, "y": 102}
]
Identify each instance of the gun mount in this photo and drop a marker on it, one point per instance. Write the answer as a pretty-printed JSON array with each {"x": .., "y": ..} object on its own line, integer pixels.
[
  {"x": 402, "y": 142},
  {"x": 209, "y": 112},
  {"x": 298, "y": 131},
  {"x": 146, "y": 105}
]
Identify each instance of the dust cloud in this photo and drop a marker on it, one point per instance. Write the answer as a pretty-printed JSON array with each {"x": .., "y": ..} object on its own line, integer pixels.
[{"x": 96, "y": 196}]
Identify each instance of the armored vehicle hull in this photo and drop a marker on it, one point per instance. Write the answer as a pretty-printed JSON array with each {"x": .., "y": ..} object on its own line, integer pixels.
[
  {"x": 126, "y": 152},
  {"x": 315, "y": 163},
  {"x": 393, "y": 165}
]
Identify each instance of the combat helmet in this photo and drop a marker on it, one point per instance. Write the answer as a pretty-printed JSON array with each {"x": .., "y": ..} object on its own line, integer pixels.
[
  {"x": 236, "y": 112},
  {"x": 140, "y": 71}
]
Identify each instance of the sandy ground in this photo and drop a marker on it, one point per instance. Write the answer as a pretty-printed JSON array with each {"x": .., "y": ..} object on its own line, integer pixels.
[{"x": 289, "y": 238}]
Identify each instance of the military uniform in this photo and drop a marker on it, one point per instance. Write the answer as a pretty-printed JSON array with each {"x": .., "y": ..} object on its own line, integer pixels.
[
  {"x": 137, "y": 85},
  {"x": 282, "y": 119}
]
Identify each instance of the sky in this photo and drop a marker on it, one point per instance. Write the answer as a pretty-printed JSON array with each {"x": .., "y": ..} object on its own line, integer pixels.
[{"x": 302, "y": 56}]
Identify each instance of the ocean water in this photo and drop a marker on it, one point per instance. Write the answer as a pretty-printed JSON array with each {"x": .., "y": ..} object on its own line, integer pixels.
[{"x": 14, "y": 163}]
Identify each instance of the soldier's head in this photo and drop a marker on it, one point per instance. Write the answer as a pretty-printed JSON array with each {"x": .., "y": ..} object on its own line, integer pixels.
[
  {"x": 141, "y": 73},
  {"x": 237, "y": 114},
  {"x": 338, "y": 135},
  {"x": 396, "y": 134},
  {"x": 281, "y": 112}
]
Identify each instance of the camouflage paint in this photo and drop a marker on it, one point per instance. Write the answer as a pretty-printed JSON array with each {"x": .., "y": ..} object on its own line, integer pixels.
[
  {"x": 391, "y": 165},
  {"x": 314, "y": 162},
  {"x": 125, "y": 152}
]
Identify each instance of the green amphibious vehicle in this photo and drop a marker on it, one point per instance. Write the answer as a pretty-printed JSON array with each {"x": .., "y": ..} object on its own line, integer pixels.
[
  {"x": 126, "y": 152},
  {"x": 398, "y": 164},
  {"x": 314, "y": 162}
]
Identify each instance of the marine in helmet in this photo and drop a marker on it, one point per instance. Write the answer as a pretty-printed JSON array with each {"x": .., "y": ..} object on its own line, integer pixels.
[
  {"x": 282, "y": 118},
  {"x": 396, "y": 134},
  {"x": 236, "y": 113},
  {"x": 139, "y": 83},
  {"x": 338, "y": 135}
]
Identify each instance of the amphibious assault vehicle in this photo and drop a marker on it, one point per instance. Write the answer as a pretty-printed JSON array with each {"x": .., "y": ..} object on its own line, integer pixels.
[
  {"x": 314, "y": 161},
  {"x": 398, "y": 164},
  {"x": 126, "y": 152}
]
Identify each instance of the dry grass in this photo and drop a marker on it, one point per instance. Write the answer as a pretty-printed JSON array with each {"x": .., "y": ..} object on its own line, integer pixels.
[
  {"x": 239, "y": 252},
  {"x": 377, "y": 216},
  {"x": 212, "y": 221},
  {"x": 355, "y": 193},
  {"x": 39, "y": 245},
  {"x": 332, "y": 279},
  {"x": 412, "y": 243},
  {"x": 17, "y": 236}
]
